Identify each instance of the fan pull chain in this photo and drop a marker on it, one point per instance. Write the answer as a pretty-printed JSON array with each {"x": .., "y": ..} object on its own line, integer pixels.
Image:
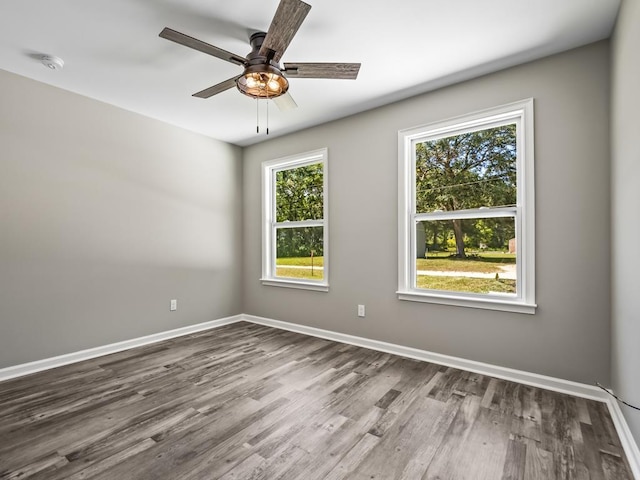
[{"x": 258, "y": 115}]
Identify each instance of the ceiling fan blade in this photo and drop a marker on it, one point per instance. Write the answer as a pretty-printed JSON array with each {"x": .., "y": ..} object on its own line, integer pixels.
[
  {"x": 322, "y": 70},
  {"x": 221, "y": 87},
  {"x": 286, "y": 22},
  {"x": 285, "y": 102},
  {"x": 201, "y": 46}
]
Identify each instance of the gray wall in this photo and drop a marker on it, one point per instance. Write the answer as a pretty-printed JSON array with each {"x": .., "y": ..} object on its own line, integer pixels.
[
  {"x": 105, "y": 216},
  {"x": 569, "y": 337},
  {"x": 626, "y": 201}
]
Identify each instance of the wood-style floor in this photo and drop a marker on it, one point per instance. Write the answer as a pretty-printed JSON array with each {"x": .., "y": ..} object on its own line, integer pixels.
[{"x": 250, "y": 402}]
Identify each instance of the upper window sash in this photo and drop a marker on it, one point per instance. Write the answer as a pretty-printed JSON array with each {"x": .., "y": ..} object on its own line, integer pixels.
[
  {"x": 452, "y": 127},
  {"x": 483, "y": 123},
  {"x": 292, "y": 164}
]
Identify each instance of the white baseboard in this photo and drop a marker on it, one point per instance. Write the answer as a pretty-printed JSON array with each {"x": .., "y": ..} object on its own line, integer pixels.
[
  {"x": 536, "y": 380},
  {"x": 58, "y": 361},
  {"x": 533, "y": 379},
  {"x": 626, "y": 437}
]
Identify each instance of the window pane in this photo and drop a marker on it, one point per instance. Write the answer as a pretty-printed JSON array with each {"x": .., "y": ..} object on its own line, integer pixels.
[
  {"x": 470, "y": 170},
  {"x": 467, "y": 255},
  {"x": 299, "y": 253},
  {"x": 299, "y": 194}
]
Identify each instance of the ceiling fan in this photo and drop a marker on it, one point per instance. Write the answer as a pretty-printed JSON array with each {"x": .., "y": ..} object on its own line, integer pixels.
[{"x": 263, "y": 77}]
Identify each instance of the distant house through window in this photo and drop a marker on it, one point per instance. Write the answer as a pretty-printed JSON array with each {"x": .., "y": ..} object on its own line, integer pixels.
[
  {"x": 295, "y": 227},
  {"x": 466, "y": 207}
]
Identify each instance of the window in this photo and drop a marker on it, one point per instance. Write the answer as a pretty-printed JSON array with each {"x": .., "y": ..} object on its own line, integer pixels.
[
  {"x": 295, "y": 228},
  {"x": 466, "y": 211}
]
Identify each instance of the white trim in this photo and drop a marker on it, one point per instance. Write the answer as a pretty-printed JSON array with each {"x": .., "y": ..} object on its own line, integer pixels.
[
  {"x": 299, "y": 223},
  {"x": 270, "y": 226},
  {"x": 520, "y": 113},
  {"x": 288, "y": 283},
  {"x": 534, "y": 379},
  {"x": 493, "y": 212},
  {"x": 79, "y": 356},
  {"x": 297, "y": 160},
  {"x": 526, "y": 192},
  {"x": 629, "y": 444},
  {"x": 489, "y": 303}
]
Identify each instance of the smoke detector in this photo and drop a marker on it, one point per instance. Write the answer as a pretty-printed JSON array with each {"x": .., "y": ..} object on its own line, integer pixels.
[{"x": 54, "y": 63}]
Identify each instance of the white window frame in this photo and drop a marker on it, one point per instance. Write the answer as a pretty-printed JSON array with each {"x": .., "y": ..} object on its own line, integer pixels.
[
  {"x": 520, "y": 113},
  {"x": 270, "y": 225}
]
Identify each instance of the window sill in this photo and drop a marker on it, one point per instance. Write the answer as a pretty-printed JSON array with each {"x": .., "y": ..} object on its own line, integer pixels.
[
  {"x": 318, "y": 287},
  {"x": 459, "y": 301}
]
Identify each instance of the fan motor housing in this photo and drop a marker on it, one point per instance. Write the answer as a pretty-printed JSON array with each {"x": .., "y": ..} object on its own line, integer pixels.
[{"x": 262, "y": 77}]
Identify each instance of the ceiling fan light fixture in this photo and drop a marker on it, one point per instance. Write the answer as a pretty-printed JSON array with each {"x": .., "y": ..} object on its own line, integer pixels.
[
  {"x": 262, "y": 76},
  {"x": 262, "y": 81}
]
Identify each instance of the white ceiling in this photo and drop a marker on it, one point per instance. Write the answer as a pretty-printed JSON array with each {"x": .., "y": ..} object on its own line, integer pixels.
[{"x": 112, "y": 51}]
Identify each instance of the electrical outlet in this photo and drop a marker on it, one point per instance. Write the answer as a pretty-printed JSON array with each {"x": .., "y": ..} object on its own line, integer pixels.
[
  {"x": 361, "y": 310},
  {"x": 174, "y": 305}
]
